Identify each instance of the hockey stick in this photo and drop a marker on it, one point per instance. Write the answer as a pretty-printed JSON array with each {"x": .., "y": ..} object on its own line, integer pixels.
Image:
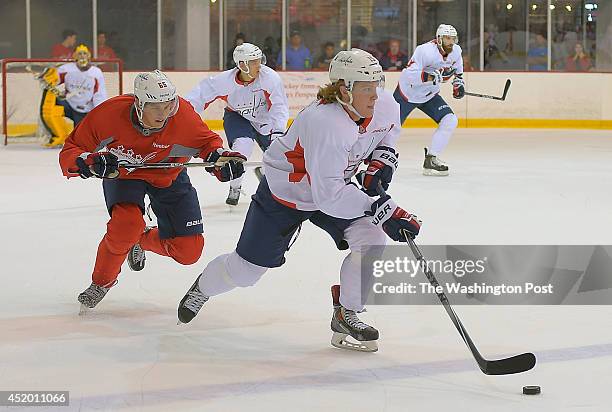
[
  {"x": 486, "y": 96},
  {"x": 178, "y": 164},
  {"x": 515, "y": 364}
]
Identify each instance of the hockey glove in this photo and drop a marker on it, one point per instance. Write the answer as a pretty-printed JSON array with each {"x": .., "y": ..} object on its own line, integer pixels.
[
  {"x": 228, "y": 164},
  {"x": 447, "y": 73},
  {"x": 394, "y": 220},
  {"x": 100, "y": 164},
  {"x": 382, "y": 164},
  {"x": 434, "y": 76},
  {"x": 458, "y": 87}
]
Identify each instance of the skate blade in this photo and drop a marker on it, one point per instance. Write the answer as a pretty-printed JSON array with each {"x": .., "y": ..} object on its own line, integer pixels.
[
  {"x": 339, "y": 340},
  {"x": 83, "y": 310},
  {"x": 431, "y": 172}
]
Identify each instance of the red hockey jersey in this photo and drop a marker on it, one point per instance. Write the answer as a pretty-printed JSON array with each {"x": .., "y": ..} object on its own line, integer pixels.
[{"x": 111, "y": 127}]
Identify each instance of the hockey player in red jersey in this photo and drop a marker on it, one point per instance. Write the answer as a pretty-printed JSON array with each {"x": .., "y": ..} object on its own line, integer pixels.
[{"x": 153, "y": 125}]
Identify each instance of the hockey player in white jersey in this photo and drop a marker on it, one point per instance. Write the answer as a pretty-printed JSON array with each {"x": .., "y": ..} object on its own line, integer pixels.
[
  {"x": 84, "y": 90},
  {"x": 257, "y": 108},
  {"x": 307, "y": 177},
  {"x": 432, "y": 64}
]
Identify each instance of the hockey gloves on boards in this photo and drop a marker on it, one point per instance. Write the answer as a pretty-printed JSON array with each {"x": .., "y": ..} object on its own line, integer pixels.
[
  {"x": 104, "y": 165},
  {"x": 229, "y": 163},
  {"x": 458, "y": 87},
  {"x": 395, "y": 221},
  {"x": 381, "y": 166}
]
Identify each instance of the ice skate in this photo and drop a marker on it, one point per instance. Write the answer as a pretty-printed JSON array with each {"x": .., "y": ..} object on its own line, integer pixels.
[
  {"x": 345, "y": 323},
  {"x": 191, "y": 303},
  {"x": 91, "y": 296},
  {"x": 233, "y": 196},
  {"x": 432, "y": 166},
  {"x": 136, "y": 256}
]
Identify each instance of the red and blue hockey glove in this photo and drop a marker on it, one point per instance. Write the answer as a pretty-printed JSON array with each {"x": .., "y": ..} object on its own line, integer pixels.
[
  {"x": 458, "y": 87},
  {"x": 228, "y": 164},
  {"x": 104, "y": 165},
  {"x": 394, "y": 220},
  {"x": 381, "y": 166}
]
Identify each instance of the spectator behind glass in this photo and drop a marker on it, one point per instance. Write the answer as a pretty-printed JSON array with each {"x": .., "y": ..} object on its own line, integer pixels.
[
  {"x": 298, "y": 56},
  {"x": 579, "y": 62},
  {"x": 104, "y": 51},
  {"x": 394, "y": 59},
  {"x": 467, "y": 64},
  {"x": 537, "y": 57},
  {"x": 229, "y": 60},
  {"x": 329, "y": 51},
  {"x": 269, "y": 49},
  {"x": 65, "y": 49}
]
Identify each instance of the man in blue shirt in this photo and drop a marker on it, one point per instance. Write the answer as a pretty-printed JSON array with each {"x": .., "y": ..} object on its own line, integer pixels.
[
  {"x": 298, "y": 56},
  {"x": 537, "y": 58}
]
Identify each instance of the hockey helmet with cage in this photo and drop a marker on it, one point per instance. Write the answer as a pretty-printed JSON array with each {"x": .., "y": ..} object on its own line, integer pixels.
[
  {"x": 154, "y": 87},
  {"x": 82, "y": 55}
]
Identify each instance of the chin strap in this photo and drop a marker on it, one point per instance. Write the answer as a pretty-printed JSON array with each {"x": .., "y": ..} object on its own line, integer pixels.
[
  {"x": 349, "y": 105},
  {"x": 247, "y": 71}
]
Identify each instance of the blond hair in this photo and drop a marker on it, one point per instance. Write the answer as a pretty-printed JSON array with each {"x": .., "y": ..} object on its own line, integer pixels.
[{"x": 330, "y": 92}]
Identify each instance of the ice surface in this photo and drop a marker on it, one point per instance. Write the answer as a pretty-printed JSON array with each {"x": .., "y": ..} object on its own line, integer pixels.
[{"x": 267, "y": 347}]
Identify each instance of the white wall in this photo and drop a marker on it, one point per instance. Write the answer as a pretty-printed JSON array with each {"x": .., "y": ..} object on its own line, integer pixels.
[{"x": 535, "y": 99}]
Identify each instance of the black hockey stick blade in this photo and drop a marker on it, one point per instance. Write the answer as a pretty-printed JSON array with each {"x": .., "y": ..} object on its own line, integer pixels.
[
  {"x": 506, "y": 88},
  {"x": 487, "y": 96},
  {"x": 515, "y": 364}
]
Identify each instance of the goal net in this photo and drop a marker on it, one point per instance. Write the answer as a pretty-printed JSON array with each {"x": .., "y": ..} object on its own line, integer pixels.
[{"x": 22, "y": 94}]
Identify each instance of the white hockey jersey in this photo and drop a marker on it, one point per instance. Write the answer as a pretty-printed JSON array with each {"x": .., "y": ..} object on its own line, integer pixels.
[
  {"x": 427, "y": 58},
  {"x": 309, "y": 167},
  {"x": 262, "y": 102},
  {"x": 84, "y": 89}
]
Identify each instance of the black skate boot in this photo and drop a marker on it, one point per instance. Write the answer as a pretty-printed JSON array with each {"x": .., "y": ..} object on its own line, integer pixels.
[
  {"x": 136, "y": 256},
  {"x": 432, "y": 166},
  {"x": 191, "y": 303},
  {"x": 233, "y": 196},
  {"x": 345, "y": 322},
  {"x": 91, "y": 296}
]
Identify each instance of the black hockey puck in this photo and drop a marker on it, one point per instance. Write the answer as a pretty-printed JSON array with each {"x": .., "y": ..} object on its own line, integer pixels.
[{"x": 531, "y": 390}]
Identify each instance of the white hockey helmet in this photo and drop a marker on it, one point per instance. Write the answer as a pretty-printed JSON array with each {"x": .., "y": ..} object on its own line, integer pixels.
[
  {"x": 352, "y": 66},
  {"x": 246, "y": 52},
  {"x": 355, "y": 65},
  {"x": 153, "y": 87},
  {"x": 446, "y": 30}
]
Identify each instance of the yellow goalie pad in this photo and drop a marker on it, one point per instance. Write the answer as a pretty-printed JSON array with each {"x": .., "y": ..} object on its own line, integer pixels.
[{"x": 53, "y": 119}]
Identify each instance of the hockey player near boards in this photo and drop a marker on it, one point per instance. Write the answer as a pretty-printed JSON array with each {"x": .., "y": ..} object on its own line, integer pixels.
[
  {"x": 257, "y": 108},
  {"x": 153, "y": 125},
  {"x": 432, "y": 64},
  {"x": 307, "y": 177},
  {"x": 84, "y": 89}
]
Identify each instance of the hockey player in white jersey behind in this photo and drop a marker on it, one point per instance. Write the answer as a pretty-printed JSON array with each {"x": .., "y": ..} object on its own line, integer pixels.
[
  {"x": 307, "y": 177},
  {"x": 432, "y": 64},
  {"x": 257, "y": 108}
]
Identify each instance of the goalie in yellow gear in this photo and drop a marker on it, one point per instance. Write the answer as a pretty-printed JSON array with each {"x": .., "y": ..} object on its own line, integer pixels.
[
  {"x": 84, "y": 90},
  {"x": 51, "y": 112}
]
